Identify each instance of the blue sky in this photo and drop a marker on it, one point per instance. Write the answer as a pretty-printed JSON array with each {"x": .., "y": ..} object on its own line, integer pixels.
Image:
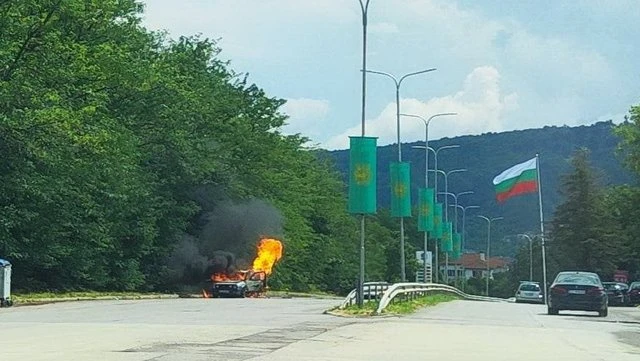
[{"x": 502, "y": 65}]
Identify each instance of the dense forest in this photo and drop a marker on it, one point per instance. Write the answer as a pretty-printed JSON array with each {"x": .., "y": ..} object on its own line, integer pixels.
[{"x": 132, "y": 161}]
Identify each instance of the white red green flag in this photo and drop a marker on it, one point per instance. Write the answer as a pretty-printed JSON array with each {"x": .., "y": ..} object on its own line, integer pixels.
[{"x": 520, "y": 179}]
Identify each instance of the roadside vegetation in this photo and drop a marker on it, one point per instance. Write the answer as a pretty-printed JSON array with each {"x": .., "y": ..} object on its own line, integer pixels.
[
  {"x": 401, "y": 307},
  {"x": 44, "y": 297}
]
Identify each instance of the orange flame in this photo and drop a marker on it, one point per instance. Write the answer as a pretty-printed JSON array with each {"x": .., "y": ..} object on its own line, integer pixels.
[
  {"x": 269, "y": 252},
  {"x": 223, "y": 277}
]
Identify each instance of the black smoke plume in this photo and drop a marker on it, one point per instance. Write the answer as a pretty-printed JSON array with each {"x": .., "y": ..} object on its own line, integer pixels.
[{"x": 224, "y": 237}]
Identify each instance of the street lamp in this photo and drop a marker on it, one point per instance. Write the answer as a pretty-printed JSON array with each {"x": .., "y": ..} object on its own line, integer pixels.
[
  {"x": 489, "y": 221},
  {"x": 426, "y": 167},
  {"x": 455, "y": 198},
  {"x": 530, "y": 255},
  {"x": 398, "y": 83},
  {"x": 364, "y": 7},
  {"x": 435, "y": 187},
  {"x": 464, "y": 221},
  {"x": 446, "y": 186},
  {"x": 426, "y": 141}
]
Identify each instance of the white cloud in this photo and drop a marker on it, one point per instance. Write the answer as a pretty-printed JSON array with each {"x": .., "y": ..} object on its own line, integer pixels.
[
  {"x": 480, "y": 104},
  {"x": 305, "y": 115}
]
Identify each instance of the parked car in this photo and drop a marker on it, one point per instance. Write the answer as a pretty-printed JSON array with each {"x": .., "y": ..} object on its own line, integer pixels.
[
  {"x": 529, "y": 292},
  {"x": 577, "y": 291},
  {"x": 617, "y": 293},
  {"x": 634, "y": 293}
]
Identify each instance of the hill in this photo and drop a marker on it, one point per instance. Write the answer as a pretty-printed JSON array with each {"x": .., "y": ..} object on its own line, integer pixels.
[{"x": 484, "y": 156}]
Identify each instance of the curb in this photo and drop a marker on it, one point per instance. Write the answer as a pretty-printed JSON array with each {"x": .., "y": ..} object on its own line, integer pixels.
[{"x": 44, "y": 301}]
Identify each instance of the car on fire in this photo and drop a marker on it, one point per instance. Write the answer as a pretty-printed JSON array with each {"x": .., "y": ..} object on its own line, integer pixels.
[
  {"x": 577, "y": 291},
  {"x": 244, "y": 284}
]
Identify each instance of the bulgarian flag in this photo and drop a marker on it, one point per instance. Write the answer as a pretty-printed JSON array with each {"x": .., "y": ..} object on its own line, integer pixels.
[{"x": 520, "y": 179}]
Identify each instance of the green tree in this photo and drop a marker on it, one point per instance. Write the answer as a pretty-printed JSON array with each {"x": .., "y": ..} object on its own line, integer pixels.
[{"x": 581, "y": 236}]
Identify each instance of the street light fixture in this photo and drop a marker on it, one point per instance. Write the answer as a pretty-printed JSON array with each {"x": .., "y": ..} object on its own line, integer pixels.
[
  {"x": 398, "y": 83},
  {"x": 426, "y": 141},
  {"x": 426, "y": 167},
  {"x": 489, "y": 221}
]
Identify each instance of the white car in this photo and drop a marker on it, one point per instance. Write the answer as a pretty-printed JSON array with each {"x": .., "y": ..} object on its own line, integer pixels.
[{"x": 529, "y": 292}]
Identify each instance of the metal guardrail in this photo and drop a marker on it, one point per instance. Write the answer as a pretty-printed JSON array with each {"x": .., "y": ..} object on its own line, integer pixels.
[
  {"x": 412, "y": 290},
  {"x": 373, "y": 291}
]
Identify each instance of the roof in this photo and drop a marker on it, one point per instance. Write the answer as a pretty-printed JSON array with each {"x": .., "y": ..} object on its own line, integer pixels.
[
  {"x": 4, "y": 262},
  {"x": 474, "y": 261}
]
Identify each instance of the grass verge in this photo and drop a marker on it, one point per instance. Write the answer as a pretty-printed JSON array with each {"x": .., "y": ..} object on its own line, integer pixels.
[
  {"x": 47, "y": 297},
  {"x": 397, "y": 308}
]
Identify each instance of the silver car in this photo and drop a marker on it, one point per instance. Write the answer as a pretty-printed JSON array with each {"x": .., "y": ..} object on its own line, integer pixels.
[{"x": 529, "y": 292}]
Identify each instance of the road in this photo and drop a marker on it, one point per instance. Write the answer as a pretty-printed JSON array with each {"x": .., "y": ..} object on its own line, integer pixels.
[{"x": 296, "y": 329}]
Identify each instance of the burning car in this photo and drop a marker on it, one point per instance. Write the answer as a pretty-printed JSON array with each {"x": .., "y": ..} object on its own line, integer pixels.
[
  {"x": 251, "y": 282},
  {"x": 247, "y": 284}
]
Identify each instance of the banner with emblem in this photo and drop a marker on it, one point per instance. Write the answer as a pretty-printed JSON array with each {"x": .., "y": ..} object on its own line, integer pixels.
[
  {"x": 362, "y": 175},
  {"x": 447, "y": 237},
  {"x": 437, "y": 222},
  {"x": 457, "y": 251},
  {"x": 400, "y": 189},
  {"x": 425, "y": 209}
]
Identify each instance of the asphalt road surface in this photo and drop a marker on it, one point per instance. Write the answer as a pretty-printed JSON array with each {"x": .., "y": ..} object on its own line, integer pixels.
[{"x": 296, "y": 329}]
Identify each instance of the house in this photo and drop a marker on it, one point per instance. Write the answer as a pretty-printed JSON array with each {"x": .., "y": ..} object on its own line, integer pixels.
[{"x": 471, "y": 265}]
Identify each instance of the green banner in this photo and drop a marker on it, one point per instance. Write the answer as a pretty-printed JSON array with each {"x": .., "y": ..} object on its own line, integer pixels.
[
  {"x": 425, "y": 210},
  {"x": 457, "y": 252},
  {"x": 362, "y": 175},
  {"x": 447, "y": 240},
  {"x": 437, "y": 222},
  {"x": 400, "y": 189}
]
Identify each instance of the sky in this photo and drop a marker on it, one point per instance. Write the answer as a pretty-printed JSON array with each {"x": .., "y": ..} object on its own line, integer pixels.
[{"x": 501, "y": 65}]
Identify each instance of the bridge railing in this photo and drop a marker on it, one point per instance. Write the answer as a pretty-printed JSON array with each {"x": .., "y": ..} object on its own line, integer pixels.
[{"x": 399, "y": 292}]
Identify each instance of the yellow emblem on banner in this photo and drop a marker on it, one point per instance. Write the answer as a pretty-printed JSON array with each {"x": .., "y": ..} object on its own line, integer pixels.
[
  {"x": 425, "y": 209},
  {"x": 399, "y": 190},
  {"x": 362, "y": 174}
]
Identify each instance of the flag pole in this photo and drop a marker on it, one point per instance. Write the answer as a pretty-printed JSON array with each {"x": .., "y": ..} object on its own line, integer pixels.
[{"x": 542, "y": 236}]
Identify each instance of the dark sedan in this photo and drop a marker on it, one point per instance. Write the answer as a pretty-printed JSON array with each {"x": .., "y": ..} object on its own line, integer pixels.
[
  {"x": 577, "y": 291},
  {"x": 634, "y": 293},
  {"x": 616, "y": 292}
]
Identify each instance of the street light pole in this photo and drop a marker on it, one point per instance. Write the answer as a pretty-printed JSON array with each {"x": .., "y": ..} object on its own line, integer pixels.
[
  {"x": 364, "y": 7},
  {"x": 398, "y": 83},
  {"x": 426, "y": 171},
  {"x": 446, "y": 210},
  {"x": 464, "y": 234},
  {"x": 464, "y": 222},
  {"x": 530, "y": 255},
  {"x": 489, "y": 221},
  {"x": 455, "y": 222},
  {"x": 435, "y": 187}
]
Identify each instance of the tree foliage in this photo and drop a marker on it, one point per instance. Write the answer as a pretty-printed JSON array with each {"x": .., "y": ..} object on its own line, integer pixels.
[
  {"x": 582, "y": 237},
  {"x": 110, "y": 134}
]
